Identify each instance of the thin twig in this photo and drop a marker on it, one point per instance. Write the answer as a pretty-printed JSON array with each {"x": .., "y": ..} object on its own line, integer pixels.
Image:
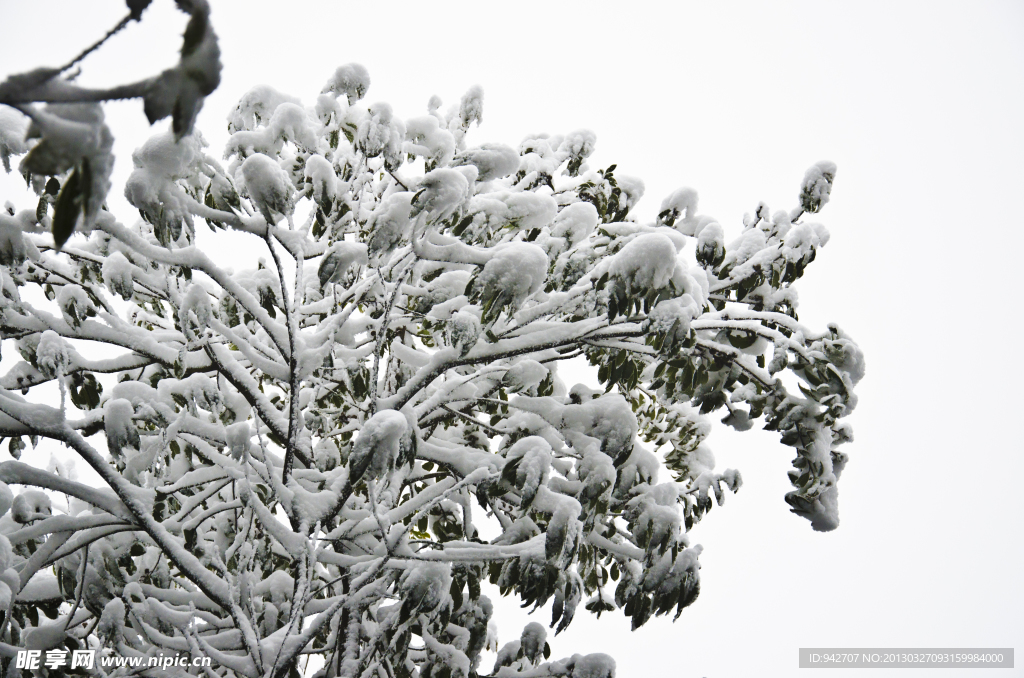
[
  {"x": 81, "y": 587},
  {"x": 89, "y": 50}
]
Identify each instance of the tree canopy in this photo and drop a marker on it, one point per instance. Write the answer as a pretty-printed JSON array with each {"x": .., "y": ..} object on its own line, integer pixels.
[{"x": 318, "y": 463}]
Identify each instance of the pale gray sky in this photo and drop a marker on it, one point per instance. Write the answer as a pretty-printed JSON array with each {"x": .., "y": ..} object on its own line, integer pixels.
[{"x": 919, "y": 103}]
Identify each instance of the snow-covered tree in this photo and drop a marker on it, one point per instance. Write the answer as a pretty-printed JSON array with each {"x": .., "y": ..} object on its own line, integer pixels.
[{"x": 319, "y": 463}]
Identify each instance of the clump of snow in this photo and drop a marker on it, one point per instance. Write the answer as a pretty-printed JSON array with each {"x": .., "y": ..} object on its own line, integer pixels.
[
  {"x": 326, "y": 455},
  {"x": 697, "y": 461},
  {"x": 471, "y": 107},
  {"x": 237, "y": 436},
  {"x": 524, "y": 375},
  {"x": 750, "y": 242},
  {"x": 195, "y": 308},
  {"x": 268, "y": 185},
  {"x": 159, "y": 163},
  {"x": 339, "y": 258},
  {"x": 609, "y": 419},
  {"x": 711, "y": 244},
  {"x": 463, "y": 330},
  {"x": 598, "y": 475},
  {"x": 45, "y": 636},
  {"x": 278, "y": 585},
  {"x": 596, "y": 665},
  {"x": 577, "y": 147},
  {"x": 515, "y": 271},
  {"x": 575, "y": 222},
  {"x": 655, "y": 518},
  {"x": 681, "y": 203},
  {"x": 255, "y": 106},
  {"x": 645, "y": 263},
  {"x": 447, "y": 286},
  {"x": 426, "y": 138},
  {"x": 845, "y": 354},
  {"x": 425, "y": 586},
  {"x": 111, "y": 625},
  {"x": 352, "y": 80},
  {"x": 13, "y": 126},
  {"x": 440, "y": 193},
  {"x": 822, "y": 510},
  {"x": 673, "y": 316},
  {"x": 534, "y": 463},
  {"x": 374, "y": 131},
  {"x": 6, "y": 551},
  {"x": 390, "y": 222},
  {"x": 506, "y": 656},
  {"x": 52, "y": 354},
  {"x": 376, "y": 449},
  {"x": 633, "y": 189},
  {"x": 531, "y": 210},
  {"x": 801, "y": 239},
  {"x": 120, "y": 428},
  {"x": 31, "y": 505},
  {"x": 493, "y": 161},
  {"x": 532, "y": 641},
  {"x": 75, "y": 304},
  {"x": 817, "y": 186},
  {"x": 14, "y": 248},
  {"x": 117, "y": 275},
  {"x": 289, "y": 123}
]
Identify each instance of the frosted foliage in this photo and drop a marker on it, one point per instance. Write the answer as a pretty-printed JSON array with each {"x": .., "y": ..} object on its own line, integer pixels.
[
  {"x": 376, "y": 447},
  {"x": 14, "y": 249},
  {"x": 575, "y": 222},
  {"x": 339, "y": 258},
  {"x": 117, "y": 275},
  {"x": 13, "y": 126},
  {"x": 256, "y": 106},
  {"x": 515, "y": 271},
  {"x": 288, "y": 123},
  {"x": 268, "y": 186},
  {"x": 52, "y": 354},
  {"x": 320, "y": 174},
  {"x": 492, "y": 161},
  {"x": 374, "y": 132},
  {"x": 674, "y": 315},
  {"x": 817, "y": 186},
  {"x": 609, "y": 419},
  {"x": 426, "y": 138},
  {"x": 524, "y": 375},
  {"x": 471, "y": 107},
  {"x": 679, "y": 209},
  {"x": 647, "y": 262},
  {"x": 577, "y": 146},
  {"x": 440, "y": 193},
  {"x": 633, "y": 188},
  {"x": 390, "y": 223},
  {"x": 352, "y": 80},
  {"x": 340, "y": 450}
]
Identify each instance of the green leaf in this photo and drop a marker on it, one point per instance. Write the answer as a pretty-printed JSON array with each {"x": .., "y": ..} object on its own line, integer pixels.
[
  {"x": 15, "y": 447},
  {"x": 70, "y": 202}
]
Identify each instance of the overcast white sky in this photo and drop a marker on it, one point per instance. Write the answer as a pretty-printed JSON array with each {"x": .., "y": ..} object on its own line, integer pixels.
[{"x": 921, "y": 106}]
